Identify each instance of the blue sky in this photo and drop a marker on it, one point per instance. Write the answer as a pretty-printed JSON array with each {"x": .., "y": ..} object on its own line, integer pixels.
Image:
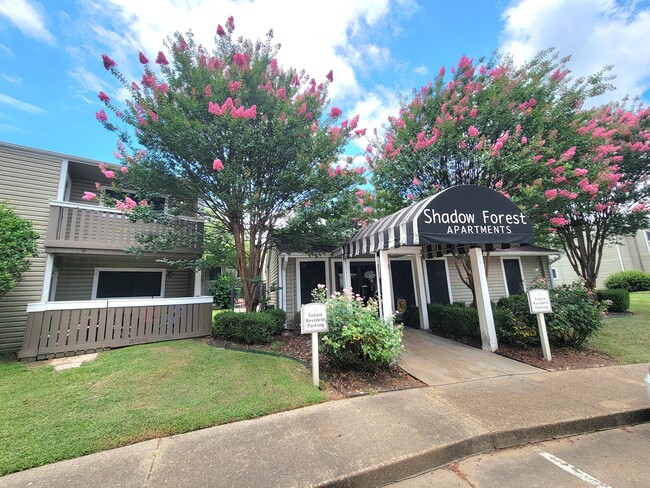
[{"x": 51, "y": 70}]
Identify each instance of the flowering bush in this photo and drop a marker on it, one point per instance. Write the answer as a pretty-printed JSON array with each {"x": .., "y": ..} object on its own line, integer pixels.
[{"x": 357, "y": 337}]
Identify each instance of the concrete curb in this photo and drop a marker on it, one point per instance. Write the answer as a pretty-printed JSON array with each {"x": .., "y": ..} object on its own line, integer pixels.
[{"x": 399, "y": 469}]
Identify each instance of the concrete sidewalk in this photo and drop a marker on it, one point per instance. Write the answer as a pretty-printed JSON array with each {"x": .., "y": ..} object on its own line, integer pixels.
[{"x": 367, "y": 441}]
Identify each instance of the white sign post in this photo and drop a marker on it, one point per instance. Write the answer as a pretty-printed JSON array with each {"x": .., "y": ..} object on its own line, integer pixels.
[
  {"x": 539, "y": 303},
  {"x": 313, "y": 319}
]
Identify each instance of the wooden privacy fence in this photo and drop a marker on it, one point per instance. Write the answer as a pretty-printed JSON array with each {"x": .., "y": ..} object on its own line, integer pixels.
[{"x": 57, "y": 329}]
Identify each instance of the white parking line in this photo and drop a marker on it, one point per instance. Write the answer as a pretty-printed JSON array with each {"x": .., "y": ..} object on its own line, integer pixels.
[{"x": 572, "y": 469}]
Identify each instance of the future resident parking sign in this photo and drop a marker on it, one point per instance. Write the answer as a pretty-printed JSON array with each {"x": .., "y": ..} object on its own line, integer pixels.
[{"x": 313, "y": 318}]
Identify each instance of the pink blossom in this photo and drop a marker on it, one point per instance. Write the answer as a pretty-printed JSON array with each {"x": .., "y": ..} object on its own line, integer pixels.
[
  {"x": 524, "y": 140},
  {"x": 217, "y": 165},
  {"x": 103, "y": 97},
  {"x": 281, "y": 93},
  {"x": 473, "y": 112},
  {"x": 214, "y": 108},
  {"x": 127, "y": 205},
  {"x": 361, "y": 201},
  {"x": 360, "y": 132},
  {"x": 639, "y": 207},
  {"x": 559, "y": 75},
  {"x": 498, "y": 184},
  {"x": 568, "y": 154},
  {"x": 416, "y": 182},
  {"x": 558, "y": 221},
  {"x": 359, "y": 193},
  {"x": 143, "y": 58},
  {"x": 550, "y": 194},
  {"x": 580, "y": 171},
  {"x": 600, "y": 207},
  {"x": 537, "y": 157},
  {"x": 207, "y": 91},
  {"x": 360, "y": 170},
  {"x": 330, "y": 76},
  {"x": 410, "y": 196},
  {"x": 564, "y": 193},
  {"x": 161, "y": 59},
  {"x": 559, "y": 179},
  {"x": 335, "y": 112},
  {"x": 124, "y": 169},
  {"x": 88, "y": 195},
  {"x": 220, "y": 31},
  {"x": 153, "y": 115},
  {"x": 101, "y": 116},
  {"x": 108, "y": 62},
  {"x": 233, "y": 86},
  {"x": 240, "y": 60},
  {"x": 134, "y": 86},
  {"x": 368, "y": 209},
  {"x": 230, "y": 23},
  {"x": 472, "y": 131}
]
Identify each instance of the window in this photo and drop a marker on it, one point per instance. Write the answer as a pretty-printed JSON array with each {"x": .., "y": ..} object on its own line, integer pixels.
[
  {"x": 438, "y": 286},
  {"x": 214, "y": 273},
  {"x": 310, "y": 275},
  {"x": 128, "y": 283},
  {"x": 513, "y": 277},
  {"x": 554, "y": 273}
]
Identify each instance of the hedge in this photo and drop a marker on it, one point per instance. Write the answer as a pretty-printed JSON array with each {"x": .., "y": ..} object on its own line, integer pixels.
[
  {"x": 631, "y": 280},
  {"x": 247, "y": 328},
  {"x": 619, "y": 297}
]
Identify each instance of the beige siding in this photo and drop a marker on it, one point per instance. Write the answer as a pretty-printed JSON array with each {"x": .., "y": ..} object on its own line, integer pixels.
[
  {"x": 79, "y": 186},
  {"x": 631, "y": 253},
  {"x": 291, "y": 287},
  {"x": 496, "y": 285},
  {"x": 28, "y": 181},
  {"x": 76, "y": 274}
]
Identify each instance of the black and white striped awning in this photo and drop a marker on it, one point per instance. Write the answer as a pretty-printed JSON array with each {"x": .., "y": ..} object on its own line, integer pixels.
[{"x": 450, "y": 221}]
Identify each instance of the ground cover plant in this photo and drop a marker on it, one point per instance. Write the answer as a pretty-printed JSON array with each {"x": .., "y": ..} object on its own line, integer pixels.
[
  {"x": 627, "y": 338},
  {"x": 138, "y": 393}
]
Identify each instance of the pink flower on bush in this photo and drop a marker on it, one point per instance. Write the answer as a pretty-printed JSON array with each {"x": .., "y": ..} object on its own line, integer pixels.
[
  {"x": 580, "y": 171},
  {"x": 161, "y": 59},
  {"x": 335, "y": 112},
  {"x": 472, "y": 131},
  {"x": 101, "y": 116},
  {"x": 573, "y": 195},
  {"x": 600, "y": 207},
  {"x": 550, "y": 194},
  {"x": 416, "y": 182},
  {"x": 281, "y": 93},
  {"x": 217, "y": 165},
  {"x": 473, "y": 112},
  {"x": 124, "y": 169},
  {"x": 558, "y": 221},
  {"x": 368, "y": 209},
  {"x": 108, "y": 62},
  {"x": 233, "y": 86},
  {"x": 220, "y": 31},
  {"x": 639, "y": 207},
  {"x": 103, "y": 97},
  {"x": 410, "y": 196},
  {"x": 143, "y": 58},
  {"x": 127, "y": 205},
  {"x": 207, "y": 91},
  {"x": 240, "y": 60},
  {"x": 568, "y": 154},
  {"x": 524, "y": 140},
  {"x": 88, "y": 195},
  {"x": 330, "y": 76}
]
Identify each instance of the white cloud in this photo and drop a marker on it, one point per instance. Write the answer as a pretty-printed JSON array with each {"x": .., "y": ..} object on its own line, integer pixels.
[
  {"x": 23, "y": 106},
  {"x": 421, "y": 70},
  {"x": 28, "y": 18},
  {"x": 374, "y": 108},
  {"x": 15, "y": 80},
  {"x": 11, "y": 129},
  {"x": 596, "y": 33},
  {"x": 5, "y": 50}
]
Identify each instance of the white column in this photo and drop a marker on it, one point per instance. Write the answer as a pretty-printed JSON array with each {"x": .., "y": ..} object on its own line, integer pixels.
[
  {"x": 47, "y": 278},
  {"x": 198, "y": 281},
  {"x": 485, "y": 318},
  {"x": 283, "y": 279},
  {"x": 420, "y": 289},
  {"x": 386, "y": 285},
  {"x": 347, "y": 279}
]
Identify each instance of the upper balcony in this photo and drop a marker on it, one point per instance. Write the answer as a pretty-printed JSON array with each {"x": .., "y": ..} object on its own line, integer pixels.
[{"x": 77, "y": 227}]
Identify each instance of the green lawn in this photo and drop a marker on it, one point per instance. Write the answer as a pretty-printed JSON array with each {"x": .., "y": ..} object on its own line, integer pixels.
[
  {"x": 627, "y": 339},
  {"x": 137, "y": 393}
]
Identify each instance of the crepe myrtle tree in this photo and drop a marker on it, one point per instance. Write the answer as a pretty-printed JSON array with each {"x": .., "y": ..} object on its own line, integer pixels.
[
  {"x": 516, "y": 129},
  {"x": 231, "y": 128}
]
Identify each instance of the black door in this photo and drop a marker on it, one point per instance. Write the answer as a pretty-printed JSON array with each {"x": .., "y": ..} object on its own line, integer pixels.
[
  {"x": 514, "y": 280},
  {"x": 438, "y": 288},
  {"x": 402, "y": 278},
  {"x": 312, "y": 274}
]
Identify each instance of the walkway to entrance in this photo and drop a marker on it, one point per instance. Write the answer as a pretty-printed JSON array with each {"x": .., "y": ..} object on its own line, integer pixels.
[{"x": 438, "y": 361}]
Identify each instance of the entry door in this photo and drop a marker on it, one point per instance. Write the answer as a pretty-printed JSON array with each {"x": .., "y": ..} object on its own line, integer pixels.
[
  {"x": 438, "y": 286},
  {"x": 514, "y": 280},
  {"x": 312, "y": 274},
  {"x": 402, "y": 278}
]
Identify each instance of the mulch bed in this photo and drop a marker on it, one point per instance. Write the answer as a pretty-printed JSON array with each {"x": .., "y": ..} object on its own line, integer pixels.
[
  {"x": 337, "y": 384},
  {"x": 345, "y": 384}
]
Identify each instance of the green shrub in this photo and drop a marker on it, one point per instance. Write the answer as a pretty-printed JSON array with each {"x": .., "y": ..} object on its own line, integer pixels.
[
  {"x": 411, "y": 317},
  {"x": 357, "y": 337},
  {"x": 631, "y": 280},
  {"x": 456, "y": 319},
  {"x": 222, "y": 288},
  {"x": 17, "y": 243},
  {"x": 619, "y": 298},
  {"x": 521, "y": 328},
  {"x": 280, "y": 317},
  {"x": 247, "y": 328}
]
